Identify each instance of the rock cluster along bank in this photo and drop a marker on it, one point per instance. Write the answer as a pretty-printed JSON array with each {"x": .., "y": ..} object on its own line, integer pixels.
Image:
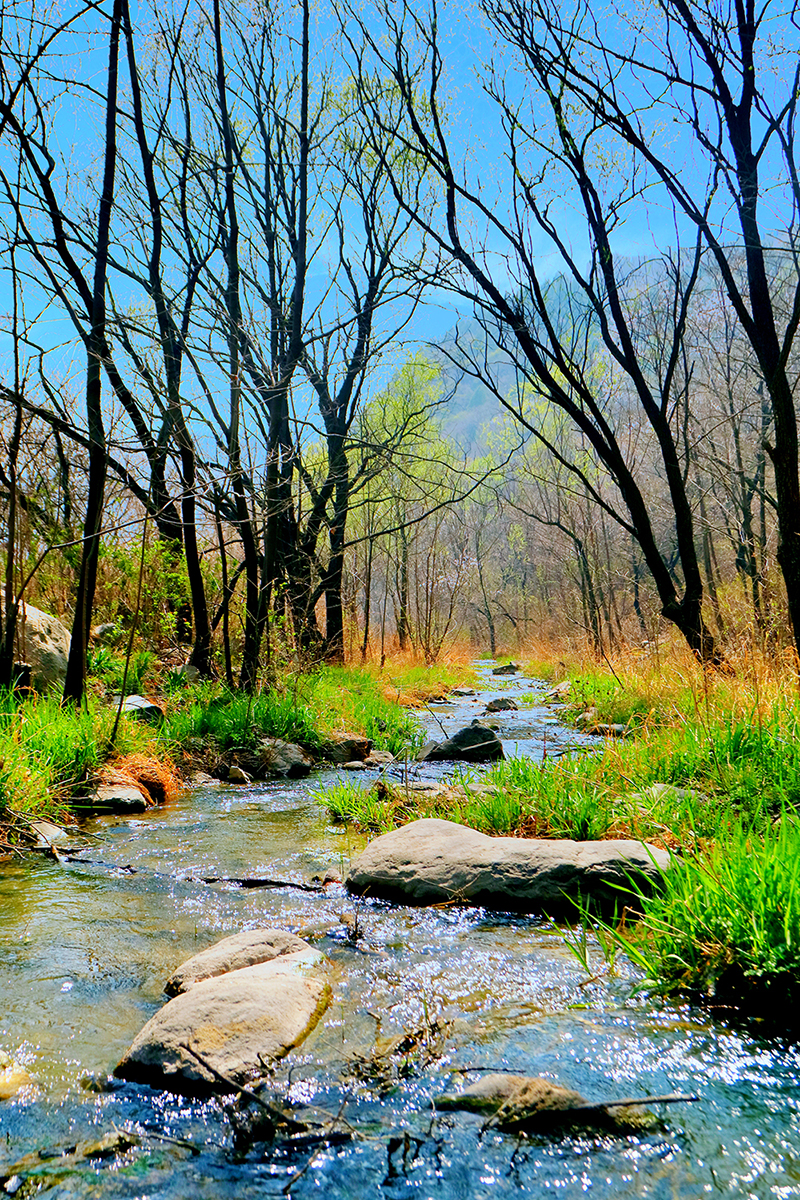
[
  {"x": 228, "y": 1020},
  {"x": 431, "y": 861}
]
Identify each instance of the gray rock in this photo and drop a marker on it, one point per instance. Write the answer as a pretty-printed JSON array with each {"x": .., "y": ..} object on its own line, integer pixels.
[
  {"x": 236, "y": 1022},
  {"x": 231, "y": 954},
  {"x": 463, "y": 691},
  {"x": 667, "y": 791},
  {"x": 142, "y": 709},
  {"x": 283, "y": 759},
  {"x": 502, "y": 704},
  {"x": 116, "y": 798},
  {"x": 474, "y": 743},
  {"x": 355, "y": 765},
  {"x": 586, "y": 718},
  {"x": 430, "y": 861},
  {"x": 507, "y": 669},
  {"x": 346, "y": 747},
  {"x": 611, "y": 731},
  {"x": 188, "y": 672},
  {"x": 560, "y": 692},
  {"x": 43, "y": 641}
]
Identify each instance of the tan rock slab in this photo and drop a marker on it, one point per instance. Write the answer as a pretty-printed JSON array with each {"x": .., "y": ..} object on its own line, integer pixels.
[
  {"x": 244, "y": 949},
  {"x": 237, "y": 1023},
  {"x": 430, "y": 861}
]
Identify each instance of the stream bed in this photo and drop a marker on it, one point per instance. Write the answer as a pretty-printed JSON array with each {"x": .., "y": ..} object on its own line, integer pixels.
[{"x": 85, "y": 950}]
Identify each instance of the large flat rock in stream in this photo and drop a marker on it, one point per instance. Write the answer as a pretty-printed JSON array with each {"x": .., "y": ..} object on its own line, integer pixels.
[
  {"x": 244, "y": 949},
  {"x": 236, "y": 1022},
  {"x": 430, "y": 861}
]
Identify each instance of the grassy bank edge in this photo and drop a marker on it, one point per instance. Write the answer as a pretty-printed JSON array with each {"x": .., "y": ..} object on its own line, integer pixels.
[{"x": 50, "y": 756}]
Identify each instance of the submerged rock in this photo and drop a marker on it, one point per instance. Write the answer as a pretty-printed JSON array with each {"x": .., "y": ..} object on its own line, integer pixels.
[
  {"x": 231, "y": 954},
  {"x": 236, "y": 1023},
  {"x": 13, "y": 1077},
  {"x": 474, "y": 743},
  {"x": 525, "y": 1101},
  {"x": 430, "y": 861}
]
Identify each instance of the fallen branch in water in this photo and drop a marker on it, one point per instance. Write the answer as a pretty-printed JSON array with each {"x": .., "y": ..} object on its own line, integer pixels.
[
  {"x": 242, "y": 882},
  {"x": 279, "y": 1117}
]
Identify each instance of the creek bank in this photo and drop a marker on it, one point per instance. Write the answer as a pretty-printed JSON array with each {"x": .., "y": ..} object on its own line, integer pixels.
[
  {"x": 433, "y": 861},
  {"x": 225, "y": 1029}
]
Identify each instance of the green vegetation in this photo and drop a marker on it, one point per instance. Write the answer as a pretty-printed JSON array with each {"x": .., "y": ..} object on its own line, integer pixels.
[
  {"x": 683, "y": 784},
  {"x": 725, "y": 927},
  {"x": 714, "y": 775},
  {"x": 49, "y": 755}
]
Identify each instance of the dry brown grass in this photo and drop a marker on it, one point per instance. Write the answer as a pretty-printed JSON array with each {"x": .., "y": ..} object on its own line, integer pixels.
[{"x": 158, "y": 780}]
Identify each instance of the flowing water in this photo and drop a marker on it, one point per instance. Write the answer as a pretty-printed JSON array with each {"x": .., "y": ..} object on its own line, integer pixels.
[{"x": 86, "y": 948}]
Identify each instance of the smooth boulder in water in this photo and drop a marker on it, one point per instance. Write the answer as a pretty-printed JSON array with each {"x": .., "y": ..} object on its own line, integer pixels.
[
  {"x": 430, "y": 861},
  {"x": 474, "y": 743},
  {"x": 226, "y": 1030},
  {"x": 244, "y": 949}
]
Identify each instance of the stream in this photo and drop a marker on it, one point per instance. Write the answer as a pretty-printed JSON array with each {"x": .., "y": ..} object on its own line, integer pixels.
[{"x": 86, "y": 948}]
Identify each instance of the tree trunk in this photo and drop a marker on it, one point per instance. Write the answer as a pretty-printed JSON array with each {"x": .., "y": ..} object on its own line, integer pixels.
[{"x": 87, "y": 578}]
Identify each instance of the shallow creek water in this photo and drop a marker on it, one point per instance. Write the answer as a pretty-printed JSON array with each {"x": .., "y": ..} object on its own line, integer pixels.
[{"x": 85, "y": 950}]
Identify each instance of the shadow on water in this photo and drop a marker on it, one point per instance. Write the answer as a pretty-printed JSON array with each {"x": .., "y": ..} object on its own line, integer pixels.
[{"x": 85, "y": 951}]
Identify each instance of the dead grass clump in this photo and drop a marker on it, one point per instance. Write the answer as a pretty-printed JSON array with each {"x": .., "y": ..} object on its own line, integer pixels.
[{"x": 157, "y": 780}]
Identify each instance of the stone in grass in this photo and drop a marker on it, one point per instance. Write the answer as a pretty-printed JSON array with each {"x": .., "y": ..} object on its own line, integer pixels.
[
  {"x": 667, "y": 791},
  {"x": 524, "y": 1102},
  {"x": 502, "y": 704},
  {"x": 236, "y": 1023},
  {"x": 474, "y": 743},
  {"x": 142, "y": 709},
  {"x": 244, "y": 949},
  {"x": 432, "y": 861}
]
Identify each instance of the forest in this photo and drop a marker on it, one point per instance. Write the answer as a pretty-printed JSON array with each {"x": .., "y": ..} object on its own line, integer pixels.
[
  {"x": 399, "y": 575},
  {"x": 224, "y": 240}
]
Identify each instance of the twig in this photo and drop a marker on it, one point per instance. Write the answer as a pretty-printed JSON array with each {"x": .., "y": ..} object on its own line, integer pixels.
[
  {"x": 299, "y": 1174},
  {"x": 279, "y": 1117}
]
